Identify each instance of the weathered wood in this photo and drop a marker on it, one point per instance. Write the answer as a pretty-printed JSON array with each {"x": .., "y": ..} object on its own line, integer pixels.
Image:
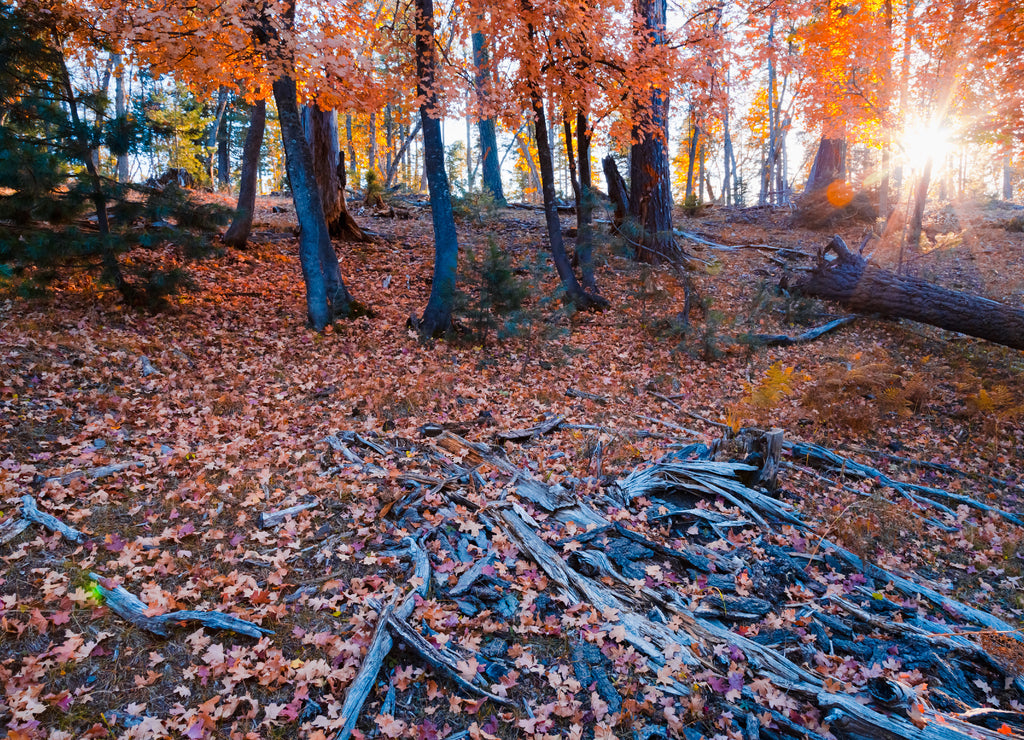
[
  {"x": 862, "y": 286},
  {"x": 617, "y": 191},
  {"x": 443, "y": 661},
  {"x": 274, "y": 518},
  {"x": 95, "y": 473},
  {"x": 545, "y": 427},
  {"x": 11, "y": 527},
  {"x": 133, "y": 609},
  {"x": 31, "y": 512},
  {"x": 785, "y": 340},
  {"x": 382, "y": 642}
]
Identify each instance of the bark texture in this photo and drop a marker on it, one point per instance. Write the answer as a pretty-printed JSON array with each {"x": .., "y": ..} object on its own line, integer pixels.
[
  {"x": 321, "y": 129},
  {"x": 437, "y": 317},
  {"x": 238, "y": 233},
  {"x": 326, "y": 295},
  {"x": 491, "y": 170},
  {"x": 650, "y": 201},
  {"x": 829, "y": 165},
  {"x": 866, "y": 288},
  {"x": 574, "y": 291}
]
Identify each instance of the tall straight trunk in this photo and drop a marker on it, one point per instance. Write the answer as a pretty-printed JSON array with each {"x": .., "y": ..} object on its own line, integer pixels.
[
  {"x": 701, "y": 177},
  {"x": 574, "y": 291},
  {"x": 353, "y": 165},
  {"x": 86, "y": 155},
  {"x": 372, "y": 149},
  {"x": 402, "y": 154},
  {"x": 437, "y": 317},
  {"x": 585, "y": 205},
  {"x": 768, "y": 165},
  {"x": 691, "y": 155},
  {"x": 571, "y": 158},
  {"x": 485, "y": 130},
  {"x": 121, "y": 111},
  {"x": 224, "y": 155},
  {"x": 389, "y": 137},
  {"x": 727, "y": 147},
  {"x": 326, "y": 294},
  {"x": 650, "y": 197},
  {"x": 908, "y": 32},
  {"x": 470, "y": 164},
  {"x": 1007, "y": 178},
  {"x": 238, "y": 233},
  {"x": 920, "y": 198},
  {"x": 214, "y": 132},
  {"x": 524, "y": 149}
]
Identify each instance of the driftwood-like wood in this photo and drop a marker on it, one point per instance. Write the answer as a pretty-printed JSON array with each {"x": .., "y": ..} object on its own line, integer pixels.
[
  {"x": 95, "y": 473},
  {"x": 31, "y": 512},
  {"x": 785, "y": 340},
  {"x": 864, "y": 287},
  {"x": 538, "y": 430},
  {"x": 444, "y": 661},
  {"x": 382, "y": 643},
  {"x": 573, "y": 393},
  {"x": 11, "y": 527},
  {"x": 131, "y": 608},
  {"x": 269, "y": 519}
]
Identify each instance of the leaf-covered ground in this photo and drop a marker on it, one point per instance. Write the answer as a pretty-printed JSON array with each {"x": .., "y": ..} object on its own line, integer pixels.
[{"x": 222, "y": 405}]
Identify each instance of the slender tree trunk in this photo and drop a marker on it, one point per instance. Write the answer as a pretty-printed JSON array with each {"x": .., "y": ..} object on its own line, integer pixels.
[
  {"x": 437, "y": 317},
  {"x": 917, "y": 214},
  {"x": 571, "y": 158},
  {"x": 727, "y": 147},
  {"x": 525, "y": 151},
  {"x": 700, "y": 162},
  {"x": 85, "y": 153},
  {"x": 121, "y": 111},
  {"x": 326, "y": 294},
  {"x": 401, "y": 156},
  {"x": 372, "y": 151},
  {"x": 585, "y": 206},
  {"x": 485, "y": 129},
  {"x": 574, "y": 291},
  {"x": 353, "y": 165},
  {"x": 224, "y": 155},
  {"x": 214, "y": 132},
  {"x": 691, "y": 155},
  {"x": 238, "y": 233}
]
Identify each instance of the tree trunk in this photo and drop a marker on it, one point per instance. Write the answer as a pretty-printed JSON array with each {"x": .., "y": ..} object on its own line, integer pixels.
[
  {"x": 617, "y": 191},
  {"x": 321, "y": 130},
  {"x": 525, "y": 151},
  {"x": 326, "y": 295},
  {"x": 829, "y": 165},
  {"x": 372, "y": 149},
  {"x": 485, "y": 126},
  {"x": 121, "y": 111},
  {"x": 920, "y": 198},
  {"x": 437, "y": 317},
  {"x": 650, "y": 198},
  {"x": 574, "y": 291},
  {"x": 224, "y": 156},
  {"x": 238, "y": 233},
  {"x": 691, "y": 156},
  {"x": 401, "y": 155},
  {"x": 866, "y": 288},
  {"x": 1007, "y": 179},
  {"x": 570, "y": 157},
  {"x": 585, "y": 206},
  {"x": 214, "y": 132},
  {"x": 727, "y": 147},
  {"x": 352, "y": 163}
]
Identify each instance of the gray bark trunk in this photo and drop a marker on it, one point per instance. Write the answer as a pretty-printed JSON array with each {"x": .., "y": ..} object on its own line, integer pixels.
[{"x": 238, "y": 233}]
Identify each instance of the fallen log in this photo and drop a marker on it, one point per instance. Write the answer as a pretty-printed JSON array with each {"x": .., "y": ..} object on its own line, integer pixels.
[
  {"x": 133, "y": 609},
  {"x": 862, "y": 286}
]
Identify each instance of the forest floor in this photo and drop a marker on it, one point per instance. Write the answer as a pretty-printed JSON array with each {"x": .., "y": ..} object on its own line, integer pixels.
[{"x": 218, "y": 408}]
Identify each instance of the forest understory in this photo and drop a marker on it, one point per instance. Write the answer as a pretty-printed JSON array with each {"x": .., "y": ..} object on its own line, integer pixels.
[{"x": 560, "y": 570}]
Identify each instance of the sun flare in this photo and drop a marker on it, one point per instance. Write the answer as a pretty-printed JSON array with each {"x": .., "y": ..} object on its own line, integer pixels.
[{"x": 925, "y": 142}]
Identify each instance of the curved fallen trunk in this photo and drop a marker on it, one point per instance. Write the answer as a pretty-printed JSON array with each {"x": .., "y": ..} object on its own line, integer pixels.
[{"x": 866, "y": 288}]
